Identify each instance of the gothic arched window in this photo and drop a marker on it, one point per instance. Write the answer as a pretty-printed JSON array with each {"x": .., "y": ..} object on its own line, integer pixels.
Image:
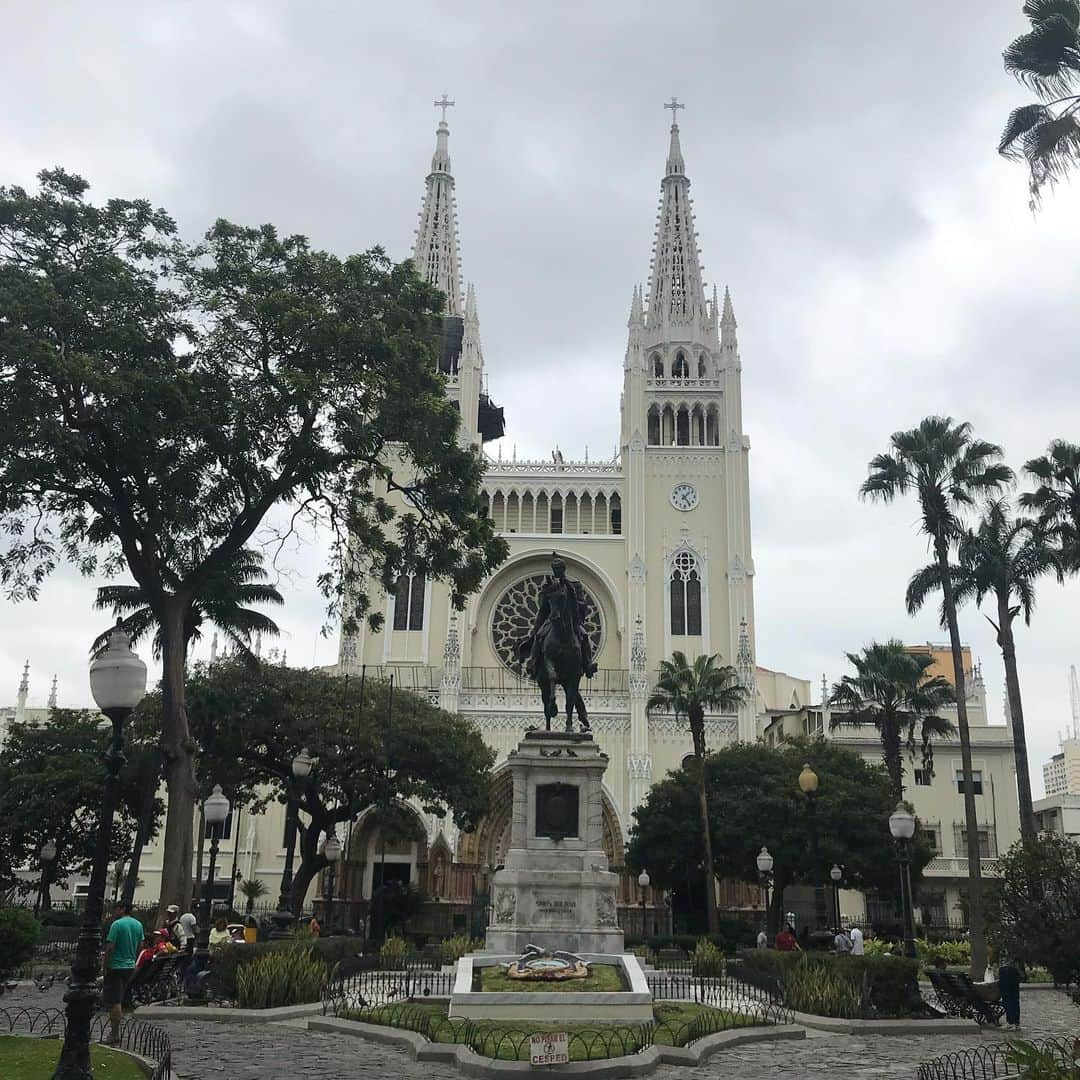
[
  {"x": 685, "y": 586},
  {"x": 701, "y": 366},
  {"x": 409, "y": 602},
  {"x": 657, "y": 366},
  {"x": 682, "y": 426},
  {"x": 654, "y": 426},
  {"x": 680, "y": 369}
]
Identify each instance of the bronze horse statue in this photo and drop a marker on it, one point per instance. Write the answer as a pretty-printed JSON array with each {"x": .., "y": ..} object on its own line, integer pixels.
[{"x": 561, "y": 665}]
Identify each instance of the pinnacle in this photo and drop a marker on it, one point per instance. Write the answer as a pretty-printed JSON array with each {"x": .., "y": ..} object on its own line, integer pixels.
[
  {"x": 675, "y": 163},
  {"x": 728, "y": 317},
  {"x": 637, "y": 316}
]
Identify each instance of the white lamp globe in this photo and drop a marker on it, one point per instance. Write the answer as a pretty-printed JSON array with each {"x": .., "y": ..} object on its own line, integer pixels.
[
  {"x": 117, "y": 675},
  {"x": 643, "y": 879},
  {"x": 48, "y": 851},
  {"x": 902, "y": 823},
  {"x": 332, "y": 848},
  {"x": 216, "y": 807},
  {"x": 302, "y": 764},
  {"x": 764, "y": 861},
  {"x": 836, "y": 873}
]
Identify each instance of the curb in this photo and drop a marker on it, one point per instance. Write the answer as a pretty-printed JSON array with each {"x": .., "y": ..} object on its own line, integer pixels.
[
  {"x": 840, "y": 1026},
  {"x": 229, "y": 1016},
  {"x": 472, "y": 1064}
]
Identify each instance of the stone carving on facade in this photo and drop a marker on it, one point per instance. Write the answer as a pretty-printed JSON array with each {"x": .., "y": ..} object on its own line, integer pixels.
[
  {"x": 637, "y": 570},
  {"x": 605, "y": 910},
  {"x": 715, "y": 726},
  {"x": 639, "y": 766},
  {"x": 451, "y": 675},
  {"x": 505, "y": 906}
]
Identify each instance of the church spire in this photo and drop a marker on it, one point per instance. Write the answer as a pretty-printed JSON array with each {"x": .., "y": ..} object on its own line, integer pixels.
[
  {"x": 436, "y": 254},
  {"x": 728, "y": 325},
  {"x": 676, "y": 293}
]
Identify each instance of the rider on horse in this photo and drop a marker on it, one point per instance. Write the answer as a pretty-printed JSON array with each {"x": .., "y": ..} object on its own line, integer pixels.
[{"x": 533, "y": 645}]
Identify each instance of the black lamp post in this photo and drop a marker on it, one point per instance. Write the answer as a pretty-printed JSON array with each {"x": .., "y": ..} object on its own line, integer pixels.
[
  {"x": 764, "y": 868},
  {"x": 301, "y": 768},
  {"x": 48, "y": 857},
  {"x": 118, "y": 684},
  {"x": 902, "y": 827},
  {"x": 331, "y": 852},
  {"x": 643, "y": 885},
  {"x": 215, "y": 811},
  {"x": 808, "y": 785},
  {"x": 837, "y": 875}
]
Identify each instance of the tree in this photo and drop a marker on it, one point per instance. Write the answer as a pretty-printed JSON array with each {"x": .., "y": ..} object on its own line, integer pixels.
[
  {"x": 754, "y": 801},
  {"x": 52, "y": 781},
  {"x": 1056, "y": 501},
  {"x": 161, "y": 399},
  {"x": 252, "y": 889},
  {"x": 376, "y": 745},
  {"x": 688, "y": 690},
  {"x": 1036, "y": 909},
  {"x": 892, "y": 691},
  {"x": 947, "y": 469},
  {"x": 1002, "y": 557},
  {"x": 1046, "y": 134}
]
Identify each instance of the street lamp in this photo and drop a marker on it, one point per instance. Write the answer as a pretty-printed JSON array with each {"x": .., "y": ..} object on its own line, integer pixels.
[
  {"x": 837, "y": 875},
  {"x": 808, "y": 785},
  {"x": 764, "y": 869},
  {"x": 301, "y": 768},
  {"x": 643, "y": 884},
  {"x": 215, "y": 811},
  {"x": 902, "y": 827},
  {"x": 118, "y": 684},
  {"x": 47, "y": 854},
  {"x": 331, "y": 852}
]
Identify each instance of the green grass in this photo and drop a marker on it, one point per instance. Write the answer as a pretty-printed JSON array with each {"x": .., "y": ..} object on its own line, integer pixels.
[
  {"x": 602, "y": 978},
  {"x": 673, "y": 1020},
  {"x": 30, "y": 1058}
]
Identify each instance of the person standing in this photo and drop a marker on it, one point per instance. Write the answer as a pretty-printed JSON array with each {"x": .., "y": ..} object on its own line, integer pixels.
[
  {"x": 856, "y": 942},
  {"x": 842, "y": 943},
  {"x": 122, "y": 946},
  {"x": 1009, "y": 987}
]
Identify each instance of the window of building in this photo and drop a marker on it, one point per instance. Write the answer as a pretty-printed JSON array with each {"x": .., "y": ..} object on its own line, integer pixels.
[
  {"x": 923, "y": 777},
  {"x": 616, "y": 515},
  {"x": 685, "y": 588},
  {"x": 932, "y": 838},
  {"x": 409, "y": 602},
  {"x": 987, "y": 842},
  {"x": 556, "y": 515},
  {"x": 680, "y": 369},
  {"x": 814, "y": 724},
  {"x": 657, "y": 366},
  {"x": 976, "y": 781}
]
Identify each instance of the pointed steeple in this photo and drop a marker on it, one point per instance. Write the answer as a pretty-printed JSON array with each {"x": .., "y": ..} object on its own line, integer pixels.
[
  {"x": 637, "y": 315},
  {"x": 728, "y": 325},
  {"x": 676, "y": 293},
  {"x": 24, "y": 692},
  {"x": 52, "y": 694},
  {"x": 436, "y": 253}
]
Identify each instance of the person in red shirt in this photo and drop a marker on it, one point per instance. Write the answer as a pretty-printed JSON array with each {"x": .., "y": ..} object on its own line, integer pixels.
[{"x": 785, "y": 940}]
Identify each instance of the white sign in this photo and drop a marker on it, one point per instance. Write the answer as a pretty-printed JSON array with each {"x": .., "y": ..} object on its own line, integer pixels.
[{"x": 549, "y": 1048}]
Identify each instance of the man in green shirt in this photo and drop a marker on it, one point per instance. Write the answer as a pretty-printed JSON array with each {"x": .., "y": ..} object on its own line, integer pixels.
[{"x": 122, "y": 945}]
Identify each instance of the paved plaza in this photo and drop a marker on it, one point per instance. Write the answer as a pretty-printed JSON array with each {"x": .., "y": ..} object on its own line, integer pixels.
[{"x": 206, "y": 1050}]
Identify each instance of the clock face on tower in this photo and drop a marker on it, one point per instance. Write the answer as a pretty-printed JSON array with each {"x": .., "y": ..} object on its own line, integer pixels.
[{"x": 684, "y": 497}]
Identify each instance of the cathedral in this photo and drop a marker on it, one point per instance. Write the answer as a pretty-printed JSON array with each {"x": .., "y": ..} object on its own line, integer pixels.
[{"x": 658, "y": 538}]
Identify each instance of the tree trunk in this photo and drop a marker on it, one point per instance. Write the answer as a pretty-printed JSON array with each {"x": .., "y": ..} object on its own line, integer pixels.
[
  {"x": 1016, "y": 715},
  {"x": 890, "y": 751},
  {"x": 311, "y": 862},
  {"x": 200, "y": 847},
  {"x": 697, "y": 729},
  {"x": 971, "y": 816},
  {"x": 142, "y": 833},
  {"x": 179, "y": 771}
]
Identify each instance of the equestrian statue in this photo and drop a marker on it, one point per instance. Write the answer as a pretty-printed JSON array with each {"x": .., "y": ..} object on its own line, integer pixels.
[{"x": 557, "y": 652}]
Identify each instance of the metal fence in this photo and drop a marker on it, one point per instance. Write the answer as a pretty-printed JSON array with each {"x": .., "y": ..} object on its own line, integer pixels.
[
  {"x": 983, "y": 1062},
  {"x": 350, "y": 990},
  {"x": 135, "y": 1036},
  {"x": 47, "y": 955}
]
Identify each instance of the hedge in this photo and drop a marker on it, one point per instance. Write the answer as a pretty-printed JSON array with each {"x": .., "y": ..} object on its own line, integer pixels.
[
  {"x": 19, "y": 933},
  {"x": 887, "y": 983},
  {"x": 734, "y": 934},
  {"x": 227, "y": 961}
]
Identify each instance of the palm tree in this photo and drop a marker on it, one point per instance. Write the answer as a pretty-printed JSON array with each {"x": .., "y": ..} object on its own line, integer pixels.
[
  {"x": 688, "y": 690},
  {"x": 1046, "y": 134},
  {"x": 253, "y": 888},
  {"x": 1057, "y": 501},
  {"x": 1003, "y": 557},
  {"x": 891, "y": 690},
  {"x": 240, "y": 582},
  {"x": 947, "y": 469}
]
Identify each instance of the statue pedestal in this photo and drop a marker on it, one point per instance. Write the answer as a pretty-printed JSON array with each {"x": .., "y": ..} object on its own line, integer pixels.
[{"x": 555, "y": 889}]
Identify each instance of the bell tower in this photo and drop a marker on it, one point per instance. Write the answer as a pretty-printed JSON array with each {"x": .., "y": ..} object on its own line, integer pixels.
[{"x": 689, "y": 565}]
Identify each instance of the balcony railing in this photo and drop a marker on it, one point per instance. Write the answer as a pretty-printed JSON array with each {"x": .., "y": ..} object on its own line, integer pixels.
[{"x": 942, "y": 866}]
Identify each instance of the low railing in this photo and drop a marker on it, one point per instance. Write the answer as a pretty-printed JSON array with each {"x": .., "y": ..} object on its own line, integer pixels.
[
  {"x": 349, "y": 989},
  {"x": 984, "y": 1062},
  {"x": 47, "y": 954},
  {"x": 135, "y": 1036}
]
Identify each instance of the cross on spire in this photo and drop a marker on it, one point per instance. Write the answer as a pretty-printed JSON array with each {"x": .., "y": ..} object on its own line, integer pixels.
[
  {"x": 445, "y": 104},
  {"x": 673, "y": 104}
]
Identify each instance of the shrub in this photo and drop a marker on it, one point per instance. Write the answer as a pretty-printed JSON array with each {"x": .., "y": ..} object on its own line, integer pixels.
[
  {"x": 821, "y": 989},
  {"x": 19, "y": 933},
  {"x": 293, "y": 976},
  {"x": 393, "y": 952},
  {"x": 229, "y": 962},
  {"x": 707, "y": 959},
  {"x": 1043, "y": 1063},
  {"x": 454, "y": 948},
  {"x": 61, "y": 917}
]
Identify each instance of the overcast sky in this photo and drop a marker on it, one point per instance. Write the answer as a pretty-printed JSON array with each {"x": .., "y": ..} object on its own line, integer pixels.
[{"x": 881, "y": 256}]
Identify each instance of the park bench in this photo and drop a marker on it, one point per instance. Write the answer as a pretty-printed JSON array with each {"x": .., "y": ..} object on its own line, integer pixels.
[
  {"x": 160, "y": 980},
  {"x": 960, "y": 997}
]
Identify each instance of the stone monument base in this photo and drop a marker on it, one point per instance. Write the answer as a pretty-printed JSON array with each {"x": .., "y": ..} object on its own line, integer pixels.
[{"x": 555, "y": 889}]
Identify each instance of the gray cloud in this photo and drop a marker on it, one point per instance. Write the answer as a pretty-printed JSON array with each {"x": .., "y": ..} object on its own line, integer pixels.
[{"x": 882, "y": 260}]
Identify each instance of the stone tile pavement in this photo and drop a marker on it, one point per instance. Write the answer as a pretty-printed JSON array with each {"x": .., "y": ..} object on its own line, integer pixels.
[{"x": 287, "y": 1051}]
